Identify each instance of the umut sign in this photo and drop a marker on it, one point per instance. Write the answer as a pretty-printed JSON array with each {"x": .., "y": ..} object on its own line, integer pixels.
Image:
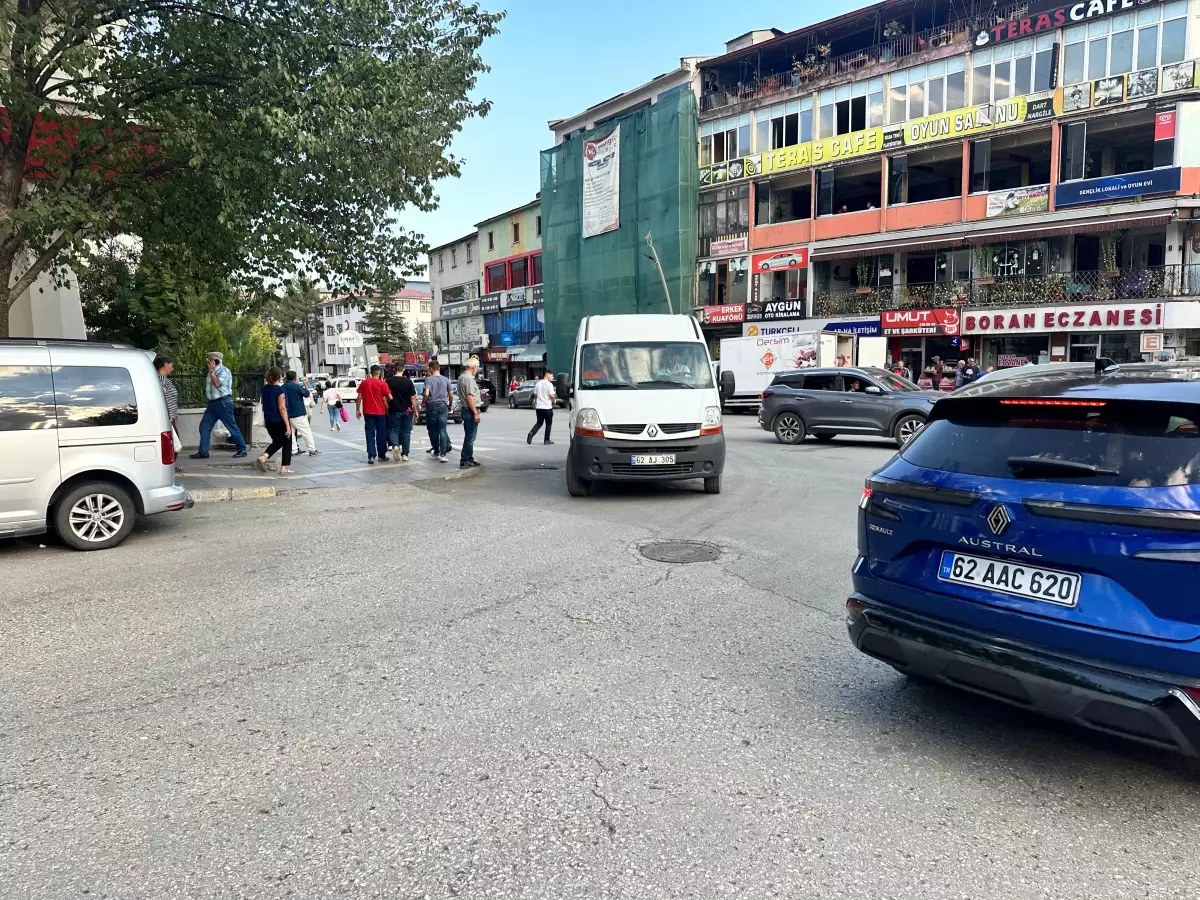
[{"x": 1091, "y": 317}]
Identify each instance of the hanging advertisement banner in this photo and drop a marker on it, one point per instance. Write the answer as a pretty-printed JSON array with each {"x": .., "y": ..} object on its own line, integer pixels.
[
  {"x": 912, "y": 322},
  {"x": 780, "y": 260},
  {"x": 1018, "y": 201},
  {"x": 1118, "y": 187},
  {"x": 1164, "y": 126},
  {"x": 602, "y": 184}
]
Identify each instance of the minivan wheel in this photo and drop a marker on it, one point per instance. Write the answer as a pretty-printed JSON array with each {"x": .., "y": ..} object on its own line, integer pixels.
[
  {"x": 576, "y": 487},
  {"x": 788, "y": 428},
  {"x": 94, "y": 516},
  {"x": 712, "y": 485},
  {"x": 907, "y": 429}
]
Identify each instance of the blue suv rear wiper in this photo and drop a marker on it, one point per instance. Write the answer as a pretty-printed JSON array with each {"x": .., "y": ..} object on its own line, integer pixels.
[{"x": 1055, "y": 466}]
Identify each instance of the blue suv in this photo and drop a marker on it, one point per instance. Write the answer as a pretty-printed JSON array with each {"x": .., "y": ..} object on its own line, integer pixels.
[{"x": 1039, "y": 543}]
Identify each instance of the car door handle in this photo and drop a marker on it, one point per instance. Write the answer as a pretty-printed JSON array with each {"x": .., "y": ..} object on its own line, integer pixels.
[{"x": 845, "y": 401}]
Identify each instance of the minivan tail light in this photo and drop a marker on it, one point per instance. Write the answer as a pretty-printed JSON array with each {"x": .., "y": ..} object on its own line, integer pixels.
[
  {"x": 765, "y": 395},
  {"x": 865, "y": 500},
  {"x": 166, "y": 441}
]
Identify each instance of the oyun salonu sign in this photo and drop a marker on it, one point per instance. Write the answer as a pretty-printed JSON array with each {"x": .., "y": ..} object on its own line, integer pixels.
[{"x": 1048, "y": 15}]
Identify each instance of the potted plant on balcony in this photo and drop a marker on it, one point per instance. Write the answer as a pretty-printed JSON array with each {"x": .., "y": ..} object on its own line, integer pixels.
[
  {"x": 893, "y": 29},
  {"x": 865, "y": 272},
  {"x": 983, "y": 265},
  {"x": 812, "y": 65},
  {"x": 1108, "y": 256}
]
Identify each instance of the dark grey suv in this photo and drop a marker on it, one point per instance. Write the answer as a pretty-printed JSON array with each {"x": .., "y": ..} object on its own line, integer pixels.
[{"x": 828, "y": 402}]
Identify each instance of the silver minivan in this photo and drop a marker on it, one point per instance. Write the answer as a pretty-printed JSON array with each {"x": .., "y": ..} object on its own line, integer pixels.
[{"x": 85, "y": 442}]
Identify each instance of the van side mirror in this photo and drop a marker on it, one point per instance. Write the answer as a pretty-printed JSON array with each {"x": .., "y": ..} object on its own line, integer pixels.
[
  {"x": 728, "y": 384},
  {"x": 562, "y": 386}
]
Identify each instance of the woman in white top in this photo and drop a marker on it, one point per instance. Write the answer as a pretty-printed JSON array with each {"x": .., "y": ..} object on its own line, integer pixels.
[{"x": 333, "y": 405}]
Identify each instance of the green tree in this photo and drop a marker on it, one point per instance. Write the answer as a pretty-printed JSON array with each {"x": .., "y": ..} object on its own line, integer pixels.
[
  {"x": 244, "y": 135},
  {"x": 422, "y": 338},
  {"x": 297, "y": 313},
  {"x": 384, "y": 326}
]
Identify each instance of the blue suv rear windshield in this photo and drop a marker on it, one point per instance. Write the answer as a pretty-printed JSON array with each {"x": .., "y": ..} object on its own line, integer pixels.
[{"x": 1136, "y": 444}]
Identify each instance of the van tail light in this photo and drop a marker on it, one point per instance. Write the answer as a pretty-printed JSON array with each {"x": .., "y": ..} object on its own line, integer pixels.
[
  {"x": 167, "y": 442},
  {"x": 865, "y": 500},
  {"x": 764, "y": 395}
]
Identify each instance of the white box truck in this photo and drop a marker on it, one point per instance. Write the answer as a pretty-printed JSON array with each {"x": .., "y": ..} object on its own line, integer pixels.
[{"x": 755, "y": 361}]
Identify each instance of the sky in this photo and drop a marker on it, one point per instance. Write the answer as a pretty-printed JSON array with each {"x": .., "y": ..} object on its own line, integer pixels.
[{"x": 553, "y": 59}]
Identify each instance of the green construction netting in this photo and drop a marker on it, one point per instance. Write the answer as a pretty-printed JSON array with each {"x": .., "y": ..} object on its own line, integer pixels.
[{"x": 613, "y": 273}]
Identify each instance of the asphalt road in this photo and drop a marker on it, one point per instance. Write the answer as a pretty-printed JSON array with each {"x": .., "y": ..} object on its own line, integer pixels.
[{"x": 480, "y": 688}]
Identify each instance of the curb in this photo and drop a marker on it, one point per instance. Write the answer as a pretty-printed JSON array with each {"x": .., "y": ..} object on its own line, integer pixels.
[{"x": 228, "y": 495}]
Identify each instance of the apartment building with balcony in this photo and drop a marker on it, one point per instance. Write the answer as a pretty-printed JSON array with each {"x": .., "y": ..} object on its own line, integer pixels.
[{"x": 1019, "y": 186}]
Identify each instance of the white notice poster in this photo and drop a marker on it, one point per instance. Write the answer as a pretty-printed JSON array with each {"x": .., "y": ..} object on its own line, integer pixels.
[{"x": 602, "y": 184}]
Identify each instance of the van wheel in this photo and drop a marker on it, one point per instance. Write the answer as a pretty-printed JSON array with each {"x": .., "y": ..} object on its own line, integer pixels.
[
  {"x": 788, "y": 428},
  {"x": 907, "y": 429},
  {"x": 576, "y": 487},
  {"x": 712, "y": 485},
  {"x": 94, "y": 516}
]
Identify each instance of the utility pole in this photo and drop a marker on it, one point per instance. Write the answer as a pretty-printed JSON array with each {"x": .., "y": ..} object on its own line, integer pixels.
[{"x": 658, "y": 265}]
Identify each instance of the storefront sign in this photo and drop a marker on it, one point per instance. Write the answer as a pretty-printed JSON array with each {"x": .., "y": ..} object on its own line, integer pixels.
[
  {"x": 912, "y": 322},
  {"x": 1152, "y": 342},
  {"x": 729, "y": 246},
  {"x": 790, "y": 327},
  {"x": 726, "y": 314},
  {"x": 1010, "y": 360},
  {"x": 506, "y": 339},
  {"x": 418, "y": 359},
  {"x": 512, "y": 299},
  {"x": 775, "y": 310},
  {"x": 1048, "y": 15},
  {"x": 1164, "y": 126},
  {"x": 602, "y": 184},
  {"x": 831, "y": 149},
  {"x": 490, "y": 303},
  {"x": 1079, "y": 317},
  {"x": 779, "y": 260},
  {"x": 1118, "y": 187},
  {"x": 496, "y": 356},
  {"x": 1018, "y": 201},
  {"x": 460, "y": 309},
  {"x": 860, "y": 327},
  {"x": 467, "y": 330},
  {"x": 964, "y": 122}
]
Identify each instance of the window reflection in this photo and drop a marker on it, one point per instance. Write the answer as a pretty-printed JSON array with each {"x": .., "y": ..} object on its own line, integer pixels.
[
  {"x": 26, "y": 398},
  {"x": 90, "y": 396}
]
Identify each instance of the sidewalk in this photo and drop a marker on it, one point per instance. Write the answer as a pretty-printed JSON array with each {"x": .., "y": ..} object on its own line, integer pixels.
[{"x": 343, "y": 462}]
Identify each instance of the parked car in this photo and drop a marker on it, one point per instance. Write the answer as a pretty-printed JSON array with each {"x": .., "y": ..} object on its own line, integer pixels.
[
  {"x": 85, "y": 442},
  {"x": 522, "y": 396},
  {"x": 455, "y": 405},
  {"x": 1038, "y": 545},
  {"x": 829, "y": 402}
]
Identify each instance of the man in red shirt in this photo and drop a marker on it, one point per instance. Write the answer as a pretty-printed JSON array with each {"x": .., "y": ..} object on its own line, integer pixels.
[{"x": 371, "y": 406}]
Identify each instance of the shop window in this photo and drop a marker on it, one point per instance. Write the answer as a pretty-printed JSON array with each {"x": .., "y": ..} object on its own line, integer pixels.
[
  {"x": 1002, "y": 164},
  {"x": 516, "y": 273},
  {"x": 1074, "y": 145},
  {"x": 927, "y": 90},
  {"x": 722, "y": 212},
  {"x": 784, "y": 125},
  {"x": 724, "y": 139},
  {"x": 1013, "y": 70},
  {"x": 788, "y": 201},
  {"x": 496, "y": 278},
  {"x": 825, "y": 192},
  {"x": 535, "y": 269},
  {"x": 854, "y": 188},
  {"x": 1150, "y": 37}
]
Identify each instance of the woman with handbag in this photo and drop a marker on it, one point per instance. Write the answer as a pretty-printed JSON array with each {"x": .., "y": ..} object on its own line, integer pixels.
[
  {"x": 164, "y": 365},
  {"x": 333, "y": 405}
]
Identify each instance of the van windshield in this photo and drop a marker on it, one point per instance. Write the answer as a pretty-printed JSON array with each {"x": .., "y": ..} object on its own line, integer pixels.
[{"x": 652, "y": 365}]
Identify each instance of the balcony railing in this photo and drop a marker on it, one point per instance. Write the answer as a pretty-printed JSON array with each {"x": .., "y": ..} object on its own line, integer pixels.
[
  {"x": 806, "y": 72},
  {"x": 1018, "y": 290}
]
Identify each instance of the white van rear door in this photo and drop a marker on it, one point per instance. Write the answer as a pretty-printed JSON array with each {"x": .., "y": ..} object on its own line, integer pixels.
[{"x": 29, "y": 471}]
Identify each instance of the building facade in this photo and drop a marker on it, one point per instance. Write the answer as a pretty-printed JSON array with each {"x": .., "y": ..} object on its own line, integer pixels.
[
  {"x": 454, "y": 280},
  {"x": 1018, "y": 187},
  {"x": 343, "y": 313}
]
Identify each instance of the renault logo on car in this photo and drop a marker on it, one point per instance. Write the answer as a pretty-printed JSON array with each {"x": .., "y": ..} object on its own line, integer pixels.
[
  {"x": 998, "y": 519},
  {"x": 652, "y": 431}
]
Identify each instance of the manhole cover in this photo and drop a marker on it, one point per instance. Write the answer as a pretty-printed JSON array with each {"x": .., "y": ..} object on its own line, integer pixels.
[
  {"x": 535, "y": 468},
  {"x": 681, "y": 551}
]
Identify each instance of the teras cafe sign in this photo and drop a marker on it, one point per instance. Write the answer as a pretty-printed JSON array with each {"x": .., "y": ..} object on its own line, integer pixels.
[
  {"x": 1078, "y": 317},
  {"x": 1048, "y": 15}
]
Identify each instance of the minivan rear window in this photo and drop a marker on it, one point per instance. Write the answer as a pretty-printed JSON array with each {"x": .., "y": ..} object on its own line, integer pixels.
[
  {"x": 1140, "y": 444},
  {"x": 94, "y": 396}
]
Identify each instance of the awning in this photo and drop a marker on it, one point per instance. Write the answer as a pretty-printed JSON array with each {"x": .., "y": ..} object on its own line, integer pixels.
[
  {"x": 514, "y": 352},
  {"x": 532, "y": 353}
]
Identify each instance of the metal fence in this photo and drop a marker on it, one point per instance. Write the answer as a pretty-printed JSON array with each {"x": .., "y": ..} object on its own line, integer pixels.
[
  {"x": 246, "y": 386},
  {"x": 1018, "y": 290}
]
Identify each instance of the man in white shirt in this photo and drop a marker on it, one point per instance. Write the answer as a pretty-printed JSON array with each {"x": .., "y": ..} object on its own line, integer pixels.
[{"x": 543, "y": 405}]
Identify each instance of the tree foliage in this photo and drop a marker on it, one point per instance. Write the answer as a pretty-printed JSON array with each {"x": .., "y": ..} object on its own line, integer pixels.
[
  {"x": 297, "y": 313},
  {"x": 249, "y": 136},
  {"x": 384, "y": 326},
  {"x": 422, "y": 337}
]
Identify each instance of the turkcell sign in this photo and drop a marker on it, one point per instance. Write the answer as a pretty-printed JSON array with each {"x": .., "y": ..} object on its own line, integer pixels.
[{"x": 1050, "y": 15}]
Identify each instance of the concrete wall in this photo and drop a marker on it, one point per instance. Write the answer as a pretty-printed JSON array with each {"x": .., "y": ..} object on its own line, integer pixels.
[
  {"x": 48, "y": 311},
  {"x": 501, "y": 228}
]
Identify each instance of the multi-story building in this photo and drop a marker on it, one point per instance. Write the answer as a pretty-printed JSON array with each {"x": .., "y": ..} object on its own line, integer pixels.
[
  {"x": 344, "y": 313},
  {"x": 508, "y": 328},
  {"x": 1017, "y": 187},
  {"x": 454, "y": 280}
]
